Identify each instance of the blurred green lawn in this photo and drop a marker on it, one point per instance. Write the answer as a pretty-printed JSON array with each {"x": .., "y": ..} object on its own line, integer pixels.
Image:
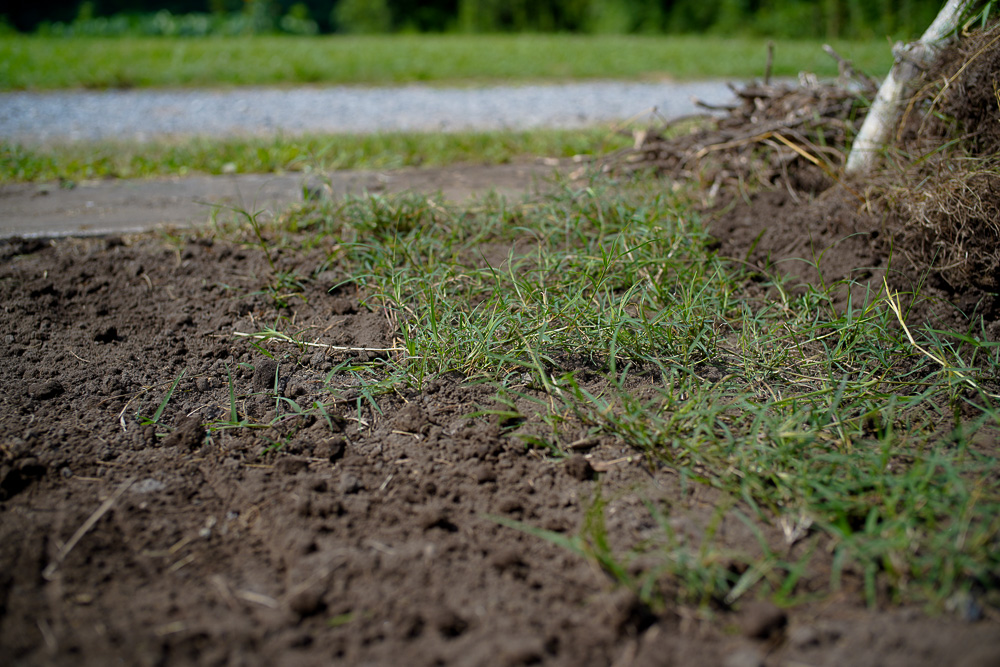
[{"x": 41, "y": 63}]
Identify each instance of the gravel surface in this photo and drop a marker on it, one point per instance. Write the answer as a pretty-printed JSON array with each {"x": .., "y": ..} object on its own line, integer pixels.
[{"x": 146, "y": 114}]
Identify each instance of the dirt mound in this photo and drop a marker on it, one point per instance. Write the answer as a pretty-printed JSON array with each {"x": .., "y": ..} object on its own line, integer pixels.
[
  {"x": 959, "y": 98},
  {"x": 944, "y": 206},
  {"x": 928, "y": 222}
]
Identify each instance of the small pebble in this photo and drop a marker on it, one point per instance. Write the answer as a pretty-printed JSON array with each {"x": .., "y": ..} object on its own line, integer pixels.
[
  {"x": 206, "y": 531},
  {"x": 148, "y": 485},
  {"x": 349, "y": 484}
]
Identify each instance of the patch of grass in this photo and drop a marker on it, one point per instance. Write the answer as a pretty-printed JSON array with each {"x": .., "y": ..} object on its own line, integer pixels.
[
  {"x": 70, "y": 162},
  {"x": 45, "y": 63},
  {"x": 844, "y": 441}
]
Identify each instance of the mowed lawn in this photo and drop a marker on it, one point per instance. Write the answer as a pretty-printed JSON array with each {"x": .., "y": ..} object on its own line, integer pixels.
[{"x": 44, "y": 63}]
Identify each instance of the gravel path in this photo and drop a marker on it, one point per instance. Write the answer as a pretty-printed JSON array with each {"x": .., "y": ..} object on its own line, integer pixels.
[{"x": 145, "y": 114}]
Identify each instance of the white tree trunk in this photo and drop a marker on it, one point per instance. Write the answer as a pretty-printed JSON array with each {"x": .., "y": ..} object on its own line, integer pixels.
[{"x": 911, "y": 59}]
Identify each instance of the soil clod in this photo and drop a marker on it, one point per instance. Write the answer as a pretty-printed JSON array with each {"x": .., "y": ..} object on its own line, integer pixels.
[
  {"x": 579, "y": 468},
  {"x": 188, "y": 434},
  {"x": 44, "y": 391},
  {"x": 762, "y": 620}
]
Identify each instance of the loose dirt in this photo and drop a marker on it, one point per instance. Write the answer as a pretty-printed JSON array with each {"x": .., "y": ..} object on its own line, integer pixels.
[
  {"x": 368, "y": 539},
  {"x": 369, "y": 536}
]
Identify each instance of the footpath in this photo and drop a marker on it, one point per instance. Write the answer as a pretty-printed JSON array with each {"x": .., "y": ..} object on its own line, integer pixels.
[{"x": 34, "y": 210}]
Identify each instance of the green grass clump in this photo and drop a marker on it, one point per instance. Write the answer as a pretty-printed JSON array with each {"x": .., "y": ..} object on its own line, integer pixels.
[
  {"x": 604, "y": 310},
  {"x": 111, "y": 159},
  {"x": 43, "y": 63}
]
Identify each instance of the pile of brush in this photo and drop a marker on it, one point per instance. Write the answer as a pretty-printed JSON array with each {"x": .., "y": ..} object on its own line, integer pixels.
[
  {"x": 938, "y": 193},
  {"x": 776, "y": 130}
]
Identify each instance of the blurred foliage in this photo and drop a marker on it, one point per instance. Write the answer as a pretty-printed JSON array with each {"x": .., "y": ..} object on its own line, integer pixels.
[
  {"x": 828, "y": 19},
  {"x": 363, "y": 16}
]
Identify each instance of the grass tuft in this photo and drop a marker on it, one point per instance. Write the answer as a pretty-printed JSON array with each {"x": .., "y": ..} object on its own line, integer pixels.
[{"x": 847, "y": 443}]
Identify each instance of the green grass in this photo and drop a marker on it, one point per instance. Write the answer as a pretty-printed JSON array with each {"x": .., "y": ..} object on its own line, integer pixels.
[
  {"x": 109, "y": 159},
  {"x": 832, "y": 430},
  {"x": 43, "y": 63}
]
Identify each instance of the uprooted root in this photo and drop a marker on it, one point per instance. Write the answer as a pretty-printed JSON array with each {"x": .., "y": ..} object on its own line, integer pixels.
[
  {"x": 950, "y": 226},
  {"x": 943, "y": 200}
]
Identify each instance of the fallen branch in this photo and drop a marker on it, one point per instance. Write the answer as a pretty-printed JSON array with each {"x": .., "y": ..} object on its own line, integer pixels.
[{"x": 816, "y": 121}]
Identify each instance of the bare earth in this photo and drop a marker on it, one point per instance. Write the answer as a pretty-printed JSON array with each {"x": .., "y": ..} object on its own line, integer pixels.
[{"x": 371, "y": 542}]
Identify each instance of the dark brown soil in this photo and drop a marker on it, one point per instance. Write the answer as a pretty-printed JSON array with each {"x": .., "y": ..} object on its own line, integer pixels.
[
  {"x": 365, "y": 540},
  {"x": 831, "y": 238},
  {"x": 374, "y": 535}
]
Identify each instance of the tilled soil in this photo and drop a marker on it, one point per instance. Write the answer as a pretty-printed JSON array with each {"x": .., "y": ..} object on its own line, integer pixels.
[{"x": 366, "y": 536}]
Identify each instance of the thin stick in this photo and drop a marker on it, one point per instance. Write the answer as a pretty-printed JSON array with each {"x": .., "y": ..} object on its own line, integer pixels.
[
  {"x": 50, "y": 570},
  {"x": 770, "y": 62},
  {"x": 847, "y": 69},
  {"x": 258, "y": 336}
]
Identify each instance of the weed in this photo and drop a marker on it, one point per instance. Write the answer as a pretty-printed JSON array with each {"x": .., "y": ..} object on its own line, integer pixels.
[{"x": 163, "y": 404}]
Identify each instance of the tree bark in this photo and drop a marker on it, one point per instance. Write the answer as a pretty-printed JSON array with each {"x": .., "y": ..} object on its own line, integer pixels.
[{"x": 911, "y": 60}]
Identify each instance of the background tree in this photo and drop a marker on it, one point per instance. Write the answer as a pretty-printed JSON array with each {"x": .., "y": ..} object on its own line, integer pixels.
[{"x": 362, "y": 16}]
